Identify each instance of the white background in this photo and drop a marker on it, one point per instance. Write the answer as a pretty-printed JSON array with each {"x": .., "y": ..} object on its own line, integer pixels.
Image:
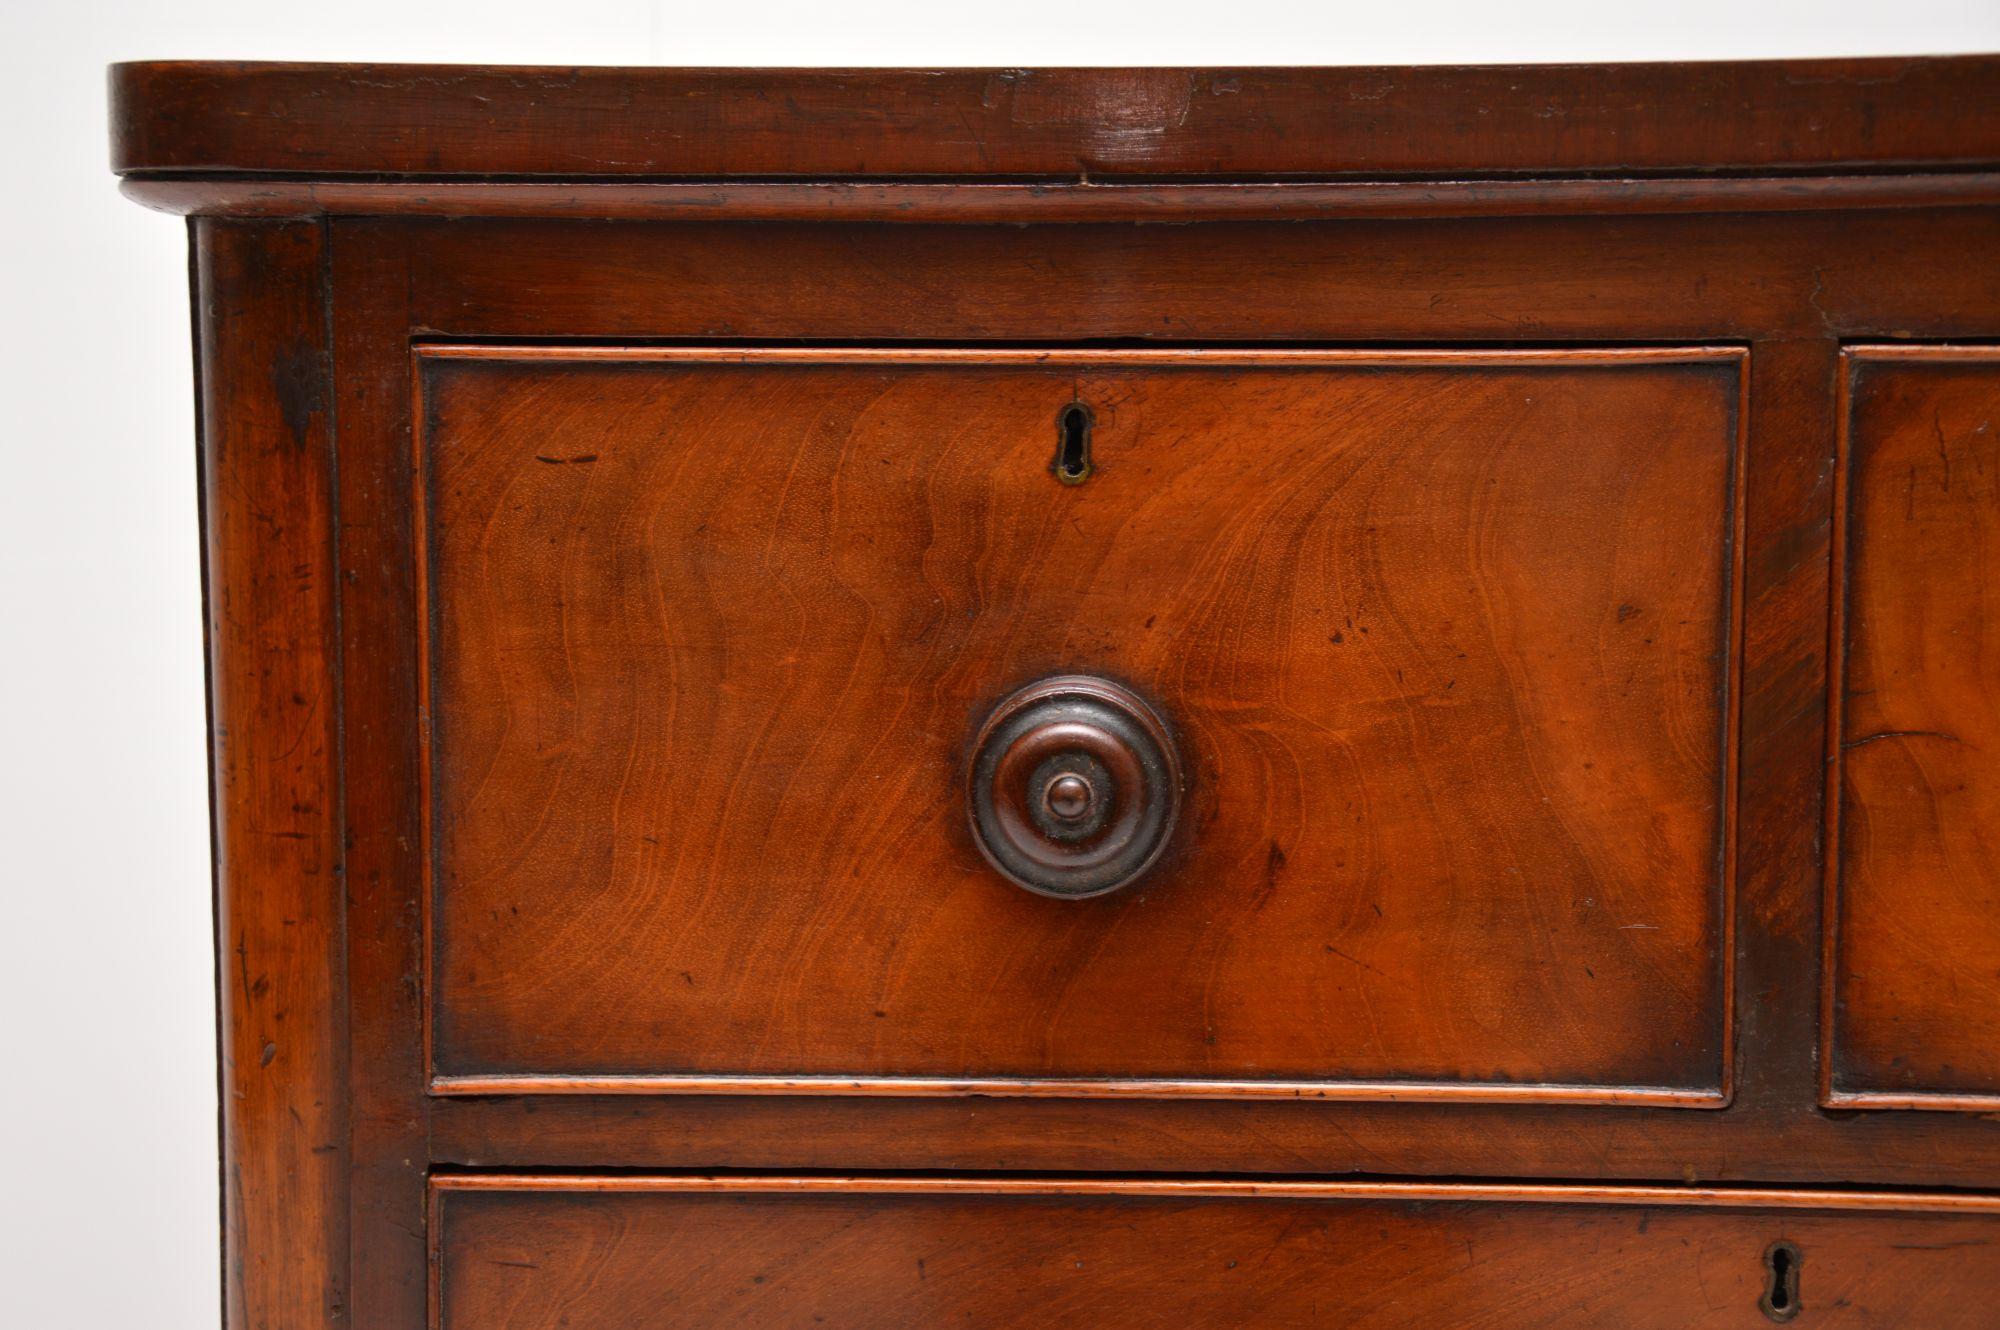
[{"x": 107, "y": 1115}]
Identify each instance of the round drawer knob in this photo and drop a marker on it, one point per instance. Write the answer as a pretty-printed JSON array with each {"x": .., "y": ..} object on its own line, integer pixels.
[{"x": 1074, "y": 786}]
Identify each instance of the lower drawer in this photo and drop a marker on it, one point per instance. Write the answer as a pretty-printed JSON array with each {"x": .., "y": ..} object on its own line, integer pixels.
[{"x": 534, "y": 1253}]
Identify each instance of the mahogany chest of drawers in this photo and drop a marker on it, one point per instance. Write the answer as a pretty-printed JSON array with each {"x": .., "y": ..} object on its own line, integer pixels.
[{"x": 1115, "y": 698}]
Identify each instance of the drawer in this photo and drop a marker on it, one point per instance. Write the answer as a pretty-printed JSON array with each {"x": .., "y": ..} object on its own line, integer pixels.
[
  {"x": 1439, "y": 645},
  {"x": 1914, "y": 896},
  {"x": 536, "y": 1253}
]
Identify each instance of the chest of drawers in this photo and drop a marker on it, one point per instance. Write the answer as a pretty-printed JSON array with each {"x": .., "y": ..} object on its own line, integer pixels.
[{"x": 1284, "y": 697}]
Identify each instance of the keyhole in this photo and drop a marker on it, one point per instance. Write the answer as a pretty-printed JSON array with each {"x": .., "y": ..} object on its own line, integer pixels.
[
  {"x": 1073, "y": 444},
  {"x": 1781, "y": 1293}
]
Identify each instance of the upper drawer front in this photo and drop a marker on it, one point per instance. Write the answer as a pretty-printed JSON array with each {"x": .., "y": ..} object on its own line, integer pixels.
[
  {"x": 1915, "y": 969},
  {"x": 554, "y": 1253},
  {"x": 1444, "y": 641}
]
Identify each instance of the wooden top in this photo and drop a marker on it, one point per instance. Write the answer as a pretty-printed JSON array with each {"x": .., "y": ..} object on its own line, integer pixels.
[{"x": 362, "y": 127}]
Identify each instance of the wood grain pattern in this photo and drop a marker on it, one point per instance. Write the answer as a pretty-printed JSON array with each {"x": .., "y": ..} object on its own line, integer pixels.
[
  {"x": 1790, "y": 209},
  {"x": 698, "y": 709},
  {"x": 1793, "y": 284},
  {"x": 390, "y": 1127},
  {"x": 533, "y": 1254},
  {"x": 266, "y": 473},
  {"x": 1781, "y": 778},
  {"x": 432, "y": 121},
  {"x": 1534, "y": 280},
  {"x": 1913, "y": 967}
]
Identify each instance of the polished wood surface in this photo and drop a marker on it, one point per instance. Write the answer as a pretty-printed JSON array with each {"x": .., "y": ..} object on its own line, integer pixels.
[
  {"x": 698, "y": 713},
  {"x": 534, "y": 1254},
  {"x": 1790, "y": 287},
  {"x": 1914, "y": 966},
  {"x": 390, "y": 1123},
  {"x": 1054, "y": 201},
  {"x": 1841, "y": 211},
  {"x": 1538, "y": 1193},
  {"x": 267, "y": 503},
  {"x": 1543, "y": 280},
  {"x": 440, "y": 121}
]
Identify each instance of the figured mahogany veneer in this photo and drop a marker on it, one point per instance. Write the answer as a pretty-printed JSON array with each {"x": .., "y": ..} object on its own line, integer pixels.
[
  {"x": 1549, "y": 510},
  {"x": 709, "y": 633},
  {"x": 1913, "y": 1000}
]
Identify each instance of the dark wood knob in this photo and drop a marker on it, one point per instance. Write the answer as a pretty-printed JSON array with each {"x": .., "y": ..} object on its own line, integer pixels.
[{"x": 1074, "y": 786}]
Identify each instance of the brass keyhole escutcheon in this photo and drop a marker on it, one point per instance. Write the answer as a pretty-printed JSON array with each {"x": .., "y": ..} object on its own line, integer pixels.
[
  {"x": 1074, "y": 787},
  {"x": 1073, "y": 465}
]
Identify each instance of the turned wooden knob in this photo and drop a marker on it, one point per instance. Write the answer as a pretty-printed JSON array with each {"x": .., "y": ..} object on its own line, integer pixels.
[{"x": 1074, "y": 787}]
